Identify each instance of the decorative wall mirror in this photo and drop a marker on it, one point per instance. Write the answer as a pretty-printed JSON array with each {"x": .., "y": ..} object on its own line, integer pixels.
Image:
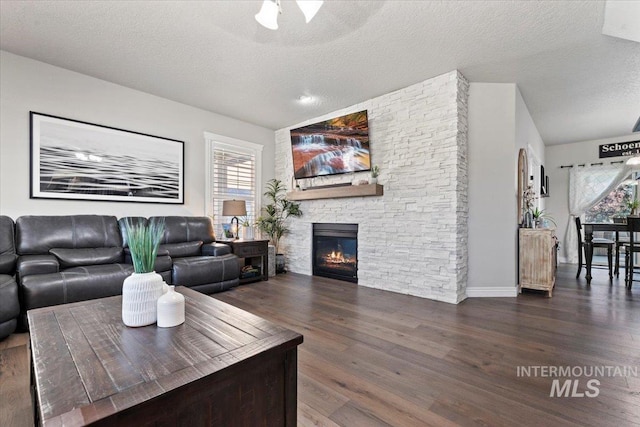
[{"x": 523, "y": 179}]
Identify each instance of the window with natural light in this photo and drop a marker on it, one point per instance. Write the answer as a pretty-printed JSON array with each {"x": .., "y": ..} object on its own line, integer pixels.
[
  {"x": 615, "y": 204},
  {"x": 233, "y": 174}
]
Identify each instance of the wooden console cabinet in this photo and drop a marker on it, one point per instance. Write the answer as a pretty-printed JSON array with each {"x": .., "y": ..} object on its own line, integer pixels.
[
  {"x": 537, "y": 258},
  {"x": 254, "y": 253}
]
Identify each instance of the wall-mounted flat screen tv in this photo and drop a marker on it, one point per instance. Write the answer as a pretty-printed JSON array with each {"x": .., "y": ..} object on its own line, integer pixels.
[{"x": 335, "y": 146}]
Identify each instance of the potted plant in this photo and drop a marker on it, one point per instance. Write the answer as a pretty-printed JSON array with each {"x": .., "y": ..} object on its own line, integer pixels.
[
  {"x": 375, "y": 171},
  {"x": 539, "y": 215},
  {"x": 275, "y": 214},
  {"x": 141, "y": 290},
  {"x": 633, "y": 206}
]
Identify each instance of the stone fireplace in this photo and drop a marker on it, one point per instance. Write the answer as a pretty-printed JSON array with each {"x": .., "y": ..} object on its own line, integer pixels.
[
  {"x": 335, "y": 251},
  {"x": 419, "y": 225}
]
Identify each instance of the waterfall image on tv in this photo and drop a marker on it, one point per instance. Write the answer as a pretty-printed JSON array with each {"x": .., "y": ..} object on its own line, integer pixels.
[{"x": 335, "y": 146}]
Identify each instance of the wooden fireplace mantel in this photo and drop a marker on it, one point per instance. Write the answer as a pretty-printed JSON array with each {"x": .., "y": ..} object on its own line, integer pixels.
[{"x": 365, "y": 190}]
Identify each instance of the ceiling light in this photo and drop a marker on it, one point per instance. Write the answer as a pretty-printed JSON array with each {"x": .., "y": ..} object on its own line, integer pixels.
[
  {"x": 309, "y": 8},
  {"x": 305, "y": 99},
  {"x": 634, "y": 161},
  {"x": 268, "y": 15}
]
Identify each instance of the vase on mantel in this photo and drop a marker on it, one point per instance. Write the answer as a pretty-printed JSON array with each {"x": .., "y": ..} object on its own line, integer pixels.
[{"x": 140, "y": 293}]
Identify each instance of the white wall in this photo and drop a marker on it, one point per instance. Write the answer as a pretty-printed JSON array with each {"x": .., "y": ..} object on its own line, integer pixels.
[
  {"x": 528, "y": 137},
  {"x": 28, "y": 85},
  {"x": 412, "y": 240},
  {"x": 564, "y": 155},
  {"x": 499, "y": 125}
]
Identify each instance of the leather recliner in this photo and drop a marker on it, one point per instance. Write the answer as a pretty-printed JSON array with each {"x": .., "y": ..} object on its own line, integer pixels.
[
  {"x": 198, "y": 261},
  {"x": 71, "y": 258},
  {"x": 9, "y": 303}
]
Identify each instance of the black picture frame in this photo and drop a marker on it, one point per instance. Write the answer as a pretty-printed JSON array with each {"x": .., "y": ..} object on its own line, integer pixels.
[
  {"x": 546, "y": 180},
  {"x": 76, "y": 160},
  {"x": 544, "y": 183}
]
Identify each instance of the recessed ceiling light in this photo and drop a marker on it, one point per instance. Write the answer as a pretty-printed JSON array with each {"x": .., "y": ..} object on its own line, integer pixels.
[{"x": 306, "y": 99}]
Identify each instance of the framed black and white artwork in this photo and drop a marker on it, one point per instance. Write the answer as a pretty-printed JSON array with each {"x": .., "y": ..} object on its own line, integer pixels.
[{"x": 76, "y": 160}]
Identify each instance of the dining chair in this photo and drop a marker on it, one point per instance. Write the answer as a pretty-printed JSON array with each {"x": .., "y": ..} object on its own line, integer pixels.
[
  {"x": 633, "y": 226},
  {"x": 622, "y": 238},
  {"x": 598, "y": 242}
]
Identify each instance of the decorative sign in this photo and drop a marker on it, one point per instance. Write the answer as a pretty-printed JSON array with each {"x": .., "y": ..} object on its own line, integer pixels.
[{"x": 618, "y": 149}]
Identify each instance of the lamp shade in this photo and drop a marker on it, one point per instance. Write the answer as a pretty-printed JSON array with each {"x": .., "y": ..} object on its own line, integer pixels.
[
  {"x": 234, "y": 208},
  {"x": 268, "y": 15}
]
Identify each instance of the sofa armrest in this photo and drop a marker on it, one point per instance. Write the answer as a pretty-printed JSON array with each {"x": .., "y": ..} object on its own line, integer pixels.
[
  {"x": 215, "y": 249},
  {"x": 8, "y": 264},
  {"x": 37, "y": 264}
]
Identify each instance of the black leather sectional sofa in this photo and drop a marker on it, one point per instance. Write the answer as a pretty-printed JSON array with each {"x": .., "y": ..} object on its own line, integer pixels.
[
  {"x": 9, "y": 306},
  {"x": 52, "y": 260}
]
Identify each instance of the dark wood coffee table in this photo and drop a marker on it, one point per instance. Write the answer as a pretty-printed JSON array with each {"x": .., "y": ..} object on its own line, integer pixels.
[{"x": 223, "y": 366}]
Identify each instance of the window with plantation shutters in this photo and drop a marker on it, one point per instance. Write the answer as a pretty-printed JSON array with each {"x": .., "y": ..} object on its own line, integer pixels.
[{"x": 233, "y": 168}]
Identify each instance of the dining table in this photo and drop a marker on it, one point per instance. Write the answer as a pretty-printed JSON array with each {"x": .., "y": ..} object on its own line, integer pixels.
[{"x": 589, "y": 228}]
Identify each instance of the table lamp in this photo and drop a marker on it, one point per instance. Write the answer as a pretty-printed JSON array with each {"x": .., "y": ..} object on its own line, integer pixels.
[{"x": 234, "y": 208}]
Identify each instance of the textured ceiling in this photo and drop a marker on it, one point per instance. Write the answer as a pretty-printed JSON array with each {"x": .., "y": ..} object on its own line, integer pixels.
[{"x": 578, "y": 83}]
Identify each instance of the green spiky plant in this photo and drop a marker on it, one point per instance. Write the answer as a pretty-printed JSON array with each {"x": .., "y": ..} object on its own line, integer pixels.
[
  {"x": 143, "y": 240},
  {"x": 541, "y": 214},
  {"x": 275, "y": 214}
]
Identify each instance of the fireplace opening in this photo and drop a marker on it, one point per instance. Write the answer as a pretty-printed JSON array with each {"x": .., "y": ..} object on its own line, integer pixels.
[{"x": 335, "y": 251}]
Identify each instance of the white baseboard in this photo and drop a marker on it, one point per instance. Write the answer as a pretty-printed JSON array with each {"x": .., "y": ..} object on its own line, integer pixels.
[{"x": 492, "y": 292}]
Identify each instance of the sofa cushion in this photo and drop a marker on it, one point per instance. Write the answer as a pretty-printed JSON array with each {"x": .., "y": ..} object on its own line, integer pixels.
[
  {"x": 184, "y": 249},
  {"x": 37, "y": 264},
  {"x": 8, "y": 263},
  {"x": 9, "y": 306},
  {"x": 90, "y": 256},
  {"x": 215, "y": 249},
  {"x": 35, "y": 235},
  {"x": 205, "y": 270},
  {"x": 186, "y": 229},
  {"x": 72, "y": 285},
  {"x": 7, "y": 245}
]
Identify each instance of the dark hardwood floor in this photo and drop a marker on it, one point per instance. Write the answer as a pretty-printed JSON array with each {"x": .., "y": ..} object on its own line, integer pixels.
[
  {"x": 377, "y": 358},
  {"x": 15, "y": 398}
]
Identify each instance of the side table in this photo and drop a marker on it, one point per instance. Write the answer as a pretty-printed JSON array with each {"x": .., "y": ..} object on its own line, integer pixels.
[{"x": 254, "y": 253}]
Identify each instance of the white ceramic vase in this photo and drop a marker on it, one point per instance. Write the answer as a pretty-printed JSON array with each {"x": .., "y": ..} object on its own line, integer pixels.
[
  {"x": 247, "y": 233},
  {"x": 170, "y": 309},
  {"x": 140, "y": 293}
]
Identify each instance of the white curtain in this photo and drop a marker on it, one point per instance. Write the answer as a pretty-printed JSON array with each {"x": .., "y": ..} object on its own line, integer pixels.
[{"x": 587, "y": 186}]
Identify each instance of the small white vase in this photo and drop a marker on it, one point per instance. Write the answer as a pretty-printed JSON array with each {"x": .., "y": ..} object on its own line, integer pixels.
[
  {"x": 373, "y": 180},
  {"x": 140, "y": 293},
  {"x": 247, "y": 233},
  {"x": 170, "y": 309}
]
